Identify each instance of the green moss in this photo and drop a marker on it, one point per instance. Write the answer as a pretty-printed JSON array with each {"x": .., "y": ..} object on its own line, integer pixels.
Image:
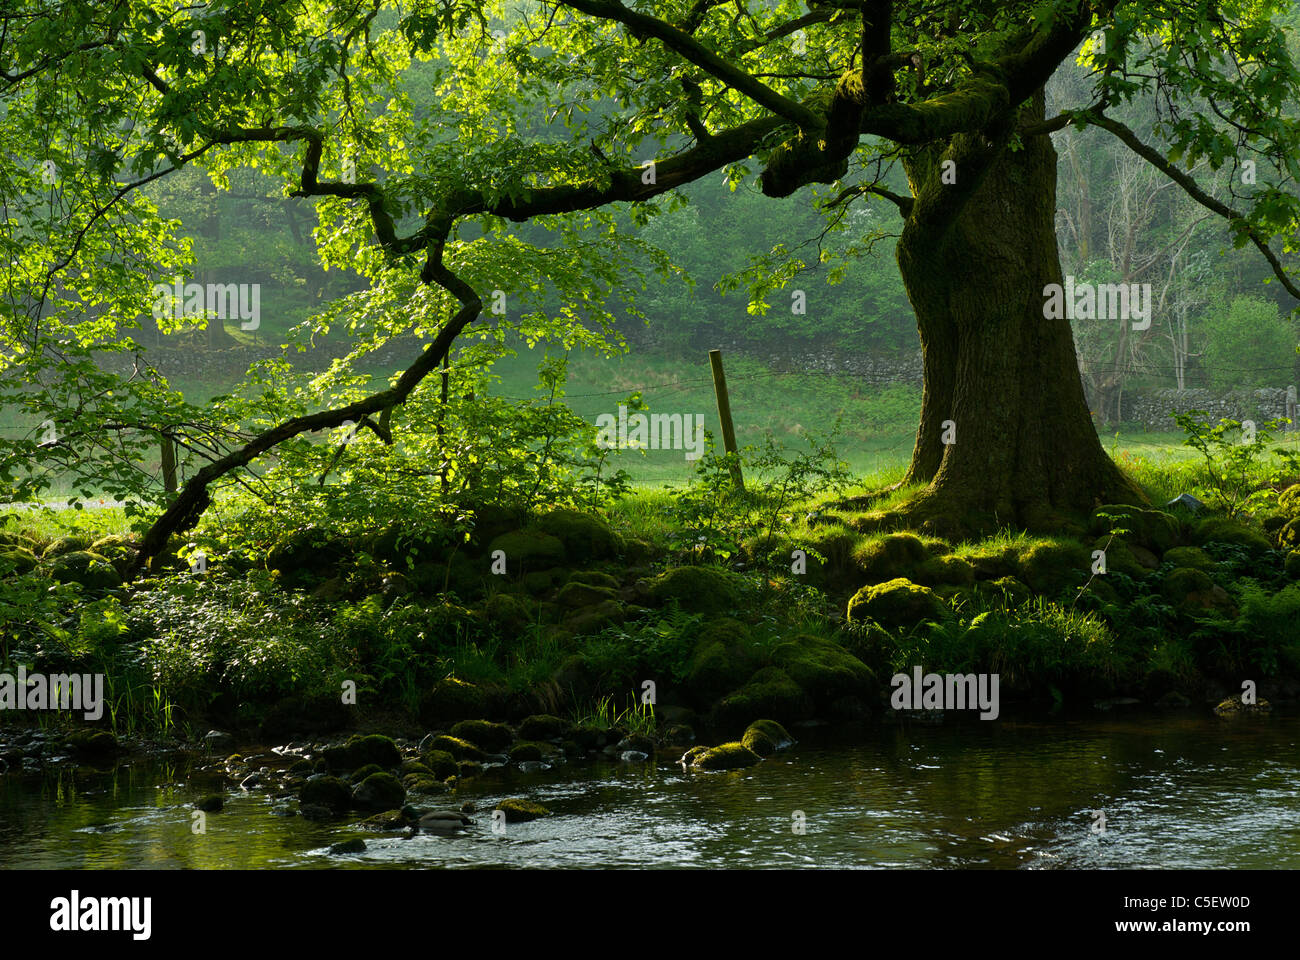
[
  {"x": 329, "y": 792},
  {"x": 699, "y": 589},
  {"x": 543, "y": 726},
  {"x": 88, "y": 569},
  {"x": 949, "y": 571},
  {"x": 452, "y": 699},
  {"x": 575, "y": 594},
  {"x": 689, "y": 756},
  {"x": 426, "y": 785},
  {"x": 525, "y": 751},
  {"x": 726, "y": 756},
  {"x": 459, "y": 749},
  {"x": 1153, "y": 529},
  {"x": 1288, "y": 537},
  {"x": 584, "y": 537},
  {"x": 769, "y": 693},
  {"x": 721, "y": 661},
  {"x": 508, "y": 610},
  {"x": 1120, "y": 558},
  {"x": 19, "y": 559},
  {"x": 1193, "y": 557},
  {"x": 93, "y": 746},
  {"x": 442, "y": 763},
  {"x": 537, "y": 582},
  {"x": 766, "y": 737},
  {"x": 890, "y": 557},
  {"x": 120, "y": 551},
  {"x": 527, "y": 550},
  {"x": 896, "y": 603},
  {"x": 595, "y": 578},
  {"x": 360, "y": 751},
  {"x": 1292, "y": 565},
  {"x": 1289, "y": 500},
  {"x": 519, "y": 810},
  {"x": 1191, "y": 590},
  {"x": 64, "y": 545},
  {"x": 379, "y": 791},
  {"x": 824, "y": 670},
  {"x": 363, "y": 772},
  {"x": 1223, "y": 530},
  {"x": 1051, "y": 566},
  {"x": 490, "y": 736}
]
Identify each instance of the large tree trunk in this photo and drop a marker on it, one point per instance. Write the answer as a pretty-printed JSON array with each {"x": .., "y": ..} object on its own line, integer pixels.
[{"x": 1025, "y": 449}]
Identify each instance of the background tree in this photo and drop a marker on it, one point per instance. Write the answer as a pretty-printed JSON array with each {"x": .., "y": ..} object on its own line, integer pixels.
[{"x": 417, "y": 183}]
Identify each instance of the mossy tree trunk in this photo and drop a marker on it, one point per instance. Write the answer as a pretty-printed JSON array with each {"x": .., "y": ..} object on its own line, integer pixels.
[{"x": 977, "y": 249}]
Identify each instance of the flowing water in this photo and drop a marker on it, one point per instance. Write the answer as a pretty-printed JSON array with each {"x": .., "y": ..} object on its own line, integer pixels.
[{"x": 1179, "y": 790}]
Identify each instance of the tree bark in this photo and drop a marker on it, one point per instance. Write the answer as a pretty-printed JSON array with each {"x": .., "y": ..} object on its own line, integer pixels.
[{"x": 975, "y": 257}]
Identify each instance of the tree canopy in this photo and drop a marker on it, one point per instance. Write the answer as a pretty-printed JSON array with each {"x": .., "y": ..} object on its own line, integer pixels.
[{"x": 488, "y": 161}]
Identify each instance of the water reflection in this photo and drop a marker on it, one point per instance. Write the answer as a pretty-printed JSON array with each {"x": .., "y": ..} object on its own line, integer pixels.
[{"x": 1176, "y": 791}]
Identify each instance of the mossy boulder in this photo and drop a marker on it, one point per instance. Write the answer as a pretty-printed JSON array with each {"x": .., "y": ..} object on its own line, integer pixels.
[
  {"x": 452, "y": 699},
  {"x": 1292, "y": 565},
  {"x": 18, "y": 559},
  {"x": 73, "y": 543},
  {"x": 592, "y": 620},
  {"x": 543, "y": 726},
  {"x": 93, "y": 746},
  {"x": 459, "y": 748},
  {"x": 691, "y": 753},
  {"x": 699, "y": 589},
  {"x": 524, "y": 751},
  {"x": 576, "y": 594},
  {"x": 726, "y": 756},
  {"x": 1154, "y": 529},
  {"x": 329, "y": 792},
  {"x": 441, "y": 762},
  {"x": 358, "y": 775},
  {"x": 1191, "y": 590},
  {"x": 1288, "y": 500},
  {"x": 90, "y": 570},
  {"x": 120, "y": 551},
  {"x": 992, "y": 561},
  {"x": 1120, "y": 558},
  {"x": 769, "y": 693},
  {"x": 946, "y": 571},
  {"x": 360, "y": 751},
  {"x": 1288, "y": 536},
  {"x": 594, "y": 578},
  {"x": 1007, "y": 590},
  {"x": 519, "y": 810},
  {"x": 1223, "y": 530},
  {"x": 584, "y": 537},
  {"x": 484, "y": 733},
  {"x": 824, "y": 670},
  {"x": 425, "y": 785},
  {"x": 896, "y": 603},
  {"x": 379, "y": 791},
  {"x": 766, "y": 737},
  {"x": 1051, "y": 566},
  {"x": 528, "y": 549},
  {"x": 537, "y": 582},
  {"x": 508, "y": 610},
  {"x": 1193, "y": 557},
  {"x": 721, "y": 661},
  {"x": 890, "y": 557}
]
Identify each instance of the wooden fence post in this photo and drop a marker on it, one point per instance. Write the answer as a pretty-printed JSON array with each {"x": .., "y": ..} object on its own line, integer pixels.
[{"x": 724, "y": 413}]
